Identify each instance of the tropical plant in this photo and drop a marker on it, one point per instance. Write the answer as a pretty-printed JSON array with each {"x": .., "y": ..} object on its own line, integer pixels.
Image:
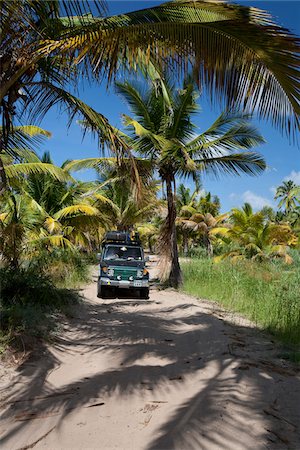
[
  {"x": 207, "y": 226},
  {"x": 257, "y": 239},
  {"x": 186, "y": 207},
  {"x": 289, "y": 195},
  {"x": 122, "y": 202},
  {"x": 209, "y": 204},
  {"x": 236, "y": 52},
  {"x": 161, "y": 132}
]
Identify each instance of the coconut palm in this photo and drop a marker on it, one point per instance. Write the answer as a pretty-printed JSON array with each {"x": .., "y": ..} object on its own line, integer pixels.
[
  {"x": 207, "y": 226},
  {"x": 289, "y": 195},
  {"x": 186, "y": 207},
  {"x": 161, "y": 132},
  {"x": 20, "y": 214},
  {"x": 116, "y": 194},
  {"x": 255, "y": 238},
  {"x": 209, "y": 204},
  {"x": 236, "y": 52},
  {"x": 67, "y": 209}
]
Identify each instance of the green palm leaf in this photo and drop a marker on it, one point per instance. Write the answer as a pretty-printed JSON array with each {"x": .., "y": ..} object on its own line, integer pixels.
[
  {"x": 236, "y": 52},
  {"x": 249, "y": 163},
  {"x": 36, "y": 168},
  {"x": 74, "y": 210}
]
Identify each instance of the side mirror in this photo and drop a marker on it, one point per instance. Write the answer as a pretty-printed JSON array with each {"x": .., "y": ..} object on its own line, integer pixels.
[{"x": 98, "y": 256}]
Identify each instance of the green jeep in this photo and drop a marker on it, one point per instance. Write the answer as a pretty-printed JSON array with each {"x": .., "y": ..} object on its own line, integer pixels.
[{"x": 122, "y": 265}]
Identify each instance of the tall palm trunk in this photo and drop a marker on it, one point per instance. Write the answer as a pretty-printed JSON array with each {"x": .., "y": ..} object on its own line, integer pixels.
[
  {"x": 185, "y": 239},
  {"x": 3, "y": 178},
  {"x": 208, "y": 245},
  {"x": 170, "y": 271}
]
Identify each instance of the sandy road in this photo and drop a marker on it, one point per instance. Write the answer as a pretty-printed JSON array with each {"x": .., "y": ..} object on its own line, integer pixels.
[{"x": 172, "y": 372}]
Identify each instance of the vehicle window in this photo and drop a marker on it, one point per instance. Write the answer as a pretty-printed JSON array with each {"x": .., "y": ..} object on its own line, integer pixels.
[{"x": 124, "y": 253}]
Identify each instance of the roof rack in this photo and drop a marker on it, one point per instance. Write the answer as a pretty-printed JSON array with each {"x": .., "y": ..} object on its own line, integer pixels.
[{"x": 121, "y": 237}]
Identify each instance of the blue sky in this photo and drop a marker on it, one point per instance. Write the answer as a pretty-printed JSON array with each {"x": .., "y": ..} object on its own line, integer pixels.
[{"x": 283, "y": 159}]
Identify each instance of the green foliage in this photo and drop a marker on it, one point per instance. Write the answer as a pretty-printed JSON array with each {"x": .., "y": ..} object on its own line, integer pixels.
[
  {"x": 65, "y": 269},
  {"x": 30, "y": 303},
  {"x": 266, "y": 293}
]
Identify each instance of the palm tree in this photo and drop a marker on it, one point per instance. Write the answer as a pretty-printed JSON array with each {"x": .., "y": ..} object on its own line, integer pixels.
[
  {"x": 68, "y": 213},
  {"x": 255, "y": 238},
  {"x": 236, "y": 52},
  {"x": 209, "y": 204},
  {"x": 289, "y": 195},
  {"x": 19, "y": 213},
  {"x": 116, "y": 194},
  {"x": 161, "y": 132},
  {"x": 265, "y": 242},
  {"x": 186, "y": 206},
  {"x": 207, "y": 226}
]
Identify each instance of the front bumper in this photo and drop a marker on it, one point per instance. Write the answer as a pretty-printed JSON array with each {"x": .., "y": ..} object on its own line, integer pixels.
[{"x": 124, "y": 284}]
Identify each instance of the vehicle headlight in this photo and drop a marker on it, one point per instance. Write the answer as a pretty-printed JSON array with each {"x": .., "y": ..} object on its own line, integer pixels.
[
  {"x": 131, "y": 278},
  {"x": 119, "y": 278},
  {"x": 110, "y": 272}
]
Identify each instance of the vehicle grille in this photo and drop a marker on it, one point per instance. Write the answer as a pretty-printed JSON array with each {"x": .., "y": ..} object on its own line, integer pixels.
[{"x": 124, "y": 273}]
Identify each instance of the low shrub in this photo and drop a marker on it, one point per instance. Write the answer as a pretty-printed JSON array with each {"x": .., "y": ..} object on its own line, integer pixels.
[{"x": 30, "y": 303}]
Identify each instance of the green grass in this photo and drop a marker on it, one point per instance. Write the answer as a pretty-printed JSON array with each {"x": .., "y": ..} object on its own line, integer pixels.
[{"x": 268, "y": 294}]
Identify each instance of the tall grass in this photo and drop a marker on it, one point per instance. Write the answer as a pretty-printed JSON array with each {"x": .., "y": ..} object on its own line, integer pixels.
[{"x": 268, "y": 294}]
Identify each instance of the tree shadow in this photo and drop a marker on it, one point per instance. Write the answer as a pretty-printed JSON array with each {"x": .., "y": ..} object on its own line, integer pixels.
[{"x": 179, "y": 347}]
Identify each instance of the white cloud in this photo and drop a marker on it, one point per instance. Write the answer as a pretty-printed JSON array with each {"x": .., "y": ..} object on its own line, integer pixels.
[
  {"x": 273, "y": 190},
  {"x": 255, "y": 200},
  {"x": 233, "y": 196},
  {"x": 294, "y": 176}
]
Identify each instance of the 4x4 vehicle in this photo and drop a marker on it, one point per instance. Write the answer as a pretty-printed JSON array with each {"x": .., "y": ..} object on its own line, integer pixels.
[{"x": 122, "y": 265}]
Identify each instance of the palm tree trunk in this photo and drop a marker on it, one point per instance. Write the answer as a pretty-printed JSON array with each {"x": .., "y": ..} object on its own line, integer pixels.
[
  {"x": 185, "y": 239},
  {"x": 208, "y": 245},
  {"x": 169, "y": 265},
  {"x": 150, "y": 244},
  {"x": 3, "y": 178}
]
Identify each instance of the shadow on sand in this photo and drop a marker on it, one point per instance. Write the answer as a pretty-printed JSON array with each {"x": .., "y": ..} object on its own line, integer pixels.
[{"x": 188, "y": 343}]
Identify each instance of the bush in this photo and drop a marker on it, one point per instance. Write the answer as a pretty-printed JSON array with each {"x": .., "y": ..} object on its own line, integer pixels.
[
  {"x": 65, "y": 268},
  {"x": 30, "y": 302},
  {"x": 24, "y": 286}
]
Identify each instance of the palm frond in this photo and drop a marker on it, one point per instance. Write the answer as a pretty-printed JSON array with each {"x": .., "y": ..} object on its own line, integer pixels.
[
  {"x": 91, "y": 163},
  {"x": 21, "y": 140},
  {"x": 74, "y": 210},
  {"x": 249, "y": 163},
  {"x": 47, "y": 95},
  {"x": 236, "y": 52},
  {"x": 36, "y": 168}
]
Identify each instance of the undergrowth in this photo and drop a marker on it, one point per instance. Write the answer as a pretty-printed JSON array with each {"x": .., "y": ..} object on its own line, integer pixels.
[
  {"x": 266, "y": 293},
  {"x": 35, "y": 297}
]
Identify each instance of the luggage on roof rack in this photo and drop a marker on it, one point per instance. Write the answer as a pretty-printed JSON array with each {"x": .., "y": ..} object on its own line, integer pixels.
[{"x": 121, "y": 237}]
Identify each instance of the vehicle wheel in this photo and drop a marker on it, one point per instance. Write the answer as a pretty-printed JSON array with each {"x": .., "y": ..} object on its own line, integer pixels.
[
  {"x": 103, "y": 292},
  {"x": 144, "y": 293}
]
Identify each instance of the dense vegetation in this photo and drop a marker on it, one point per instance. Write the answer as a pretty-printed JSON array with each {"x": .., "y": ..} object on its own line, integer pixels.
[
  {"x": 267, "y": 293},
  {"x": 52, "y": 224}
]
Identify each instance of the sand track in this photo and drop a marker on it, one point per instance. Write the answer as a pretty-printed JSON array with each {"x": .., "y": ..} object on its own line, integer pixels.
[{"x": 172, "y": 372}]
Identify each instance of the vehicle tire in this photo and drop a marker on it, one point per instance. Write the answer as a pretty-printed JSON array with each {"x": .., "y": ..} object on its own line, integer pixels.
[
  {"x": 144, "y": 293},
  {"x": 99, "y": 291},
  {"x": 103, "y": 292}
]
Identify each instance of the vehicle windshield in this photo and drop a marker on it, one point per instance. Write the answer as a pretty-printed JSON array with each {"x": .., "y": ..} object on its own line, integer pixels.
[{"x": 123, "y": 252}]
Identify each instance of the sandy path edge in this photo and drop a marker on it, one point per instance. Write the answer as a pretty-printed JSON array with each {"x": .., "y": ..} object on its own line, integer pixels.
[{"x": 169, "y": 373}]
